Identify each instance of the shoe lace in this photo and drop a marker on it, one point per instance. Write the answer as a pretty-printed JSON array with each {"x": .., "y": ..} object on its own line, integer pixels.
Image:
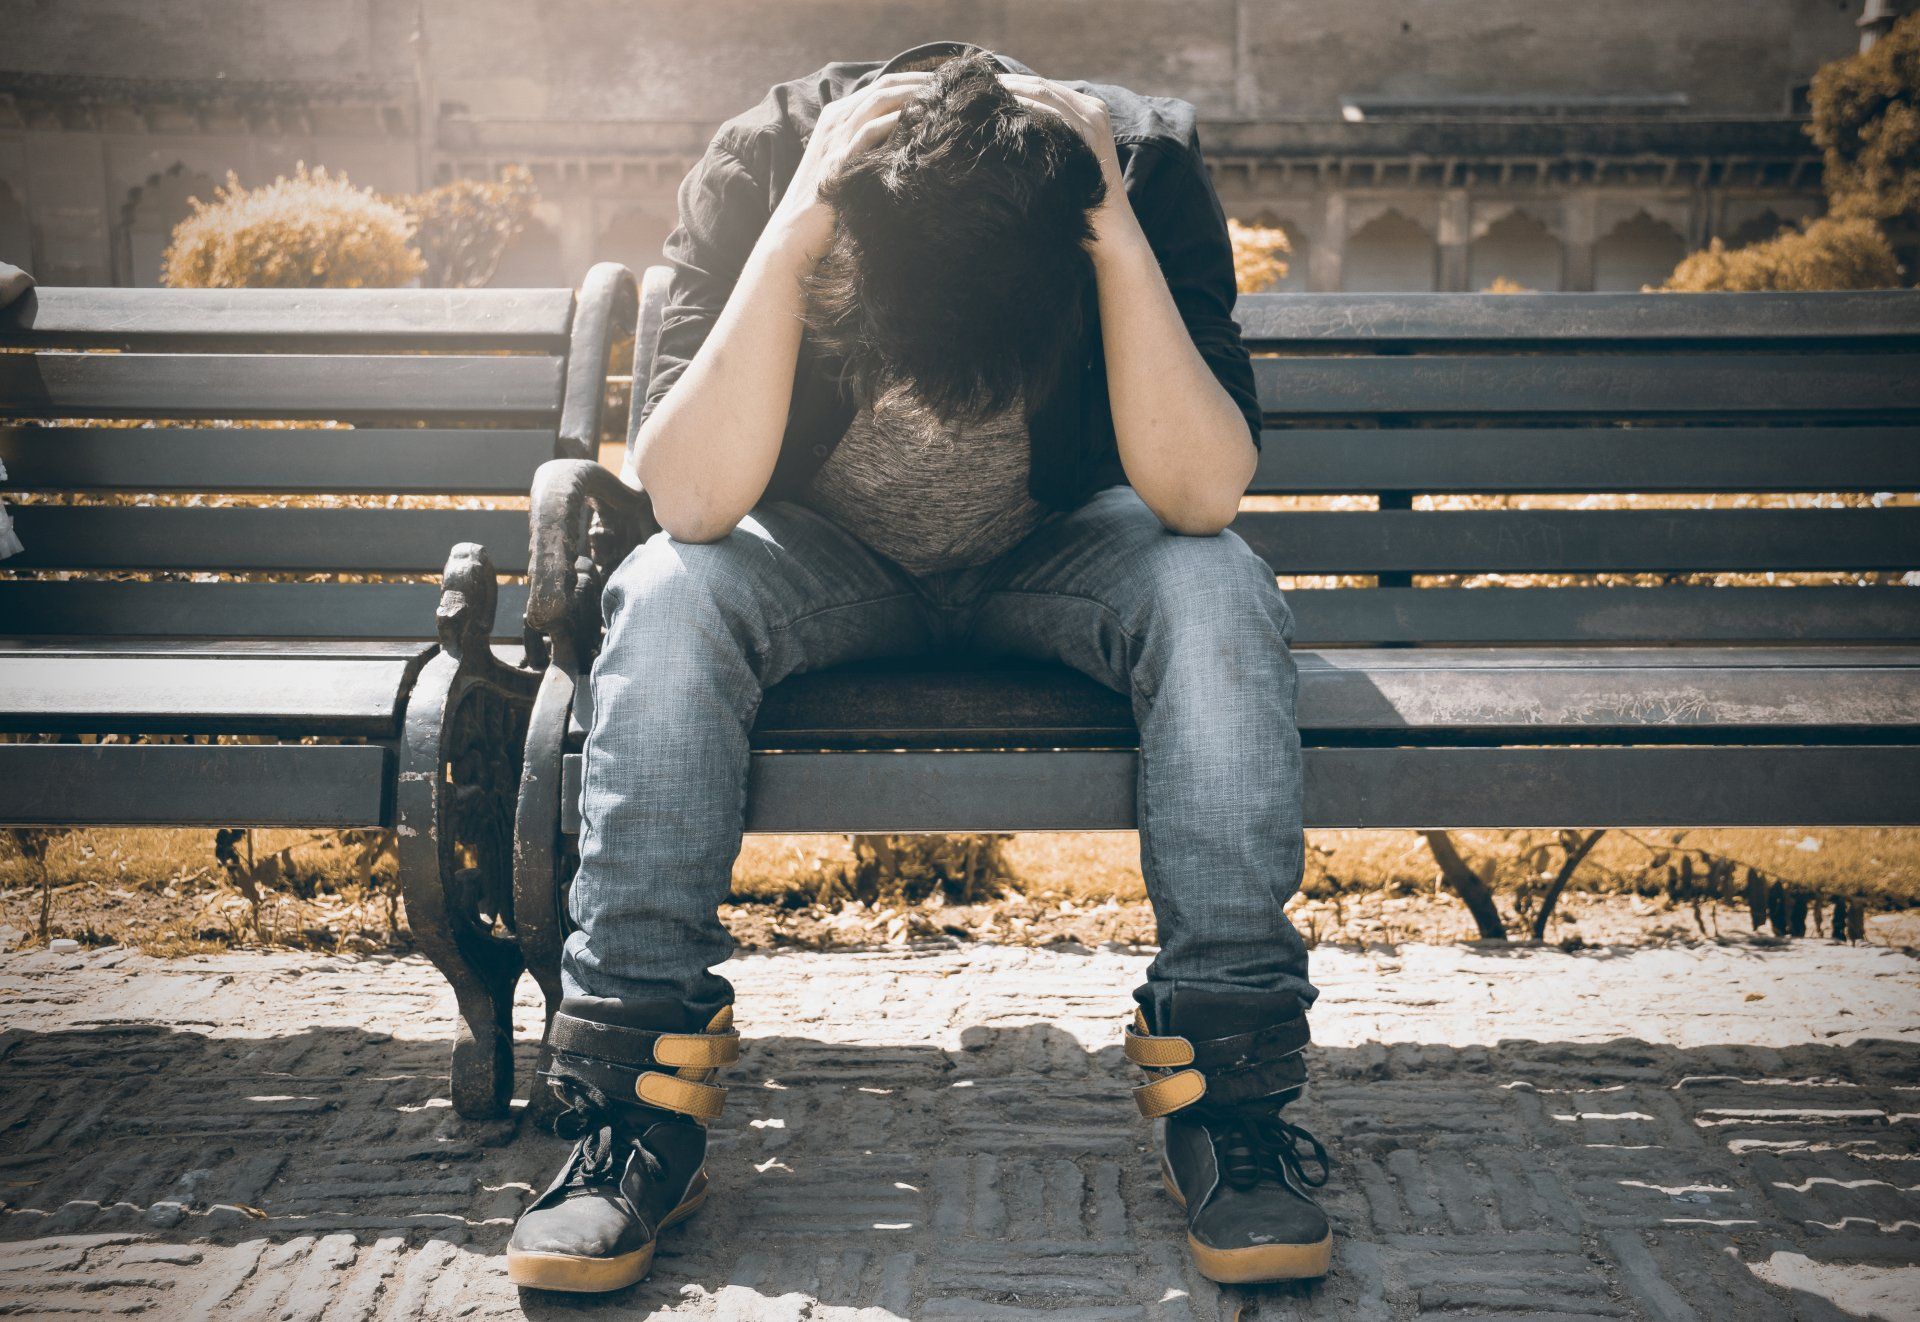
[
  {"x": 600, "y": 1146},
  {"x": 1254, "y": 1143}
]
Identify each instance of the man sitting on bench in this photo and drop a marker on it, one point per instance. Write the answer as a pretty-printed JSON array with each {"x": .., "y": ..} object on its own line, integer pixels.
[{"x": 948, "y": 362}]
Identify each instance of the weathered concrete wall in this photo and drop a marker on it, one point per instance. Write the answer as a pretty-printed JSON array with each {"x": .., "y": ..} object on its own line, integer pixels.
[
  {"x": 112, "y": 112},
  {"x": 672, "y": 59}
]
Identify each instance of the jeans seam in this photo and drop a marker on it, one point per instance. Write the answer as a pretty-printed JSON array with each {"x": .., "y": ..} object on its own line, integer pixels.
[
  {"x": 783, "y": 625},
  {"x": 1133, "y": 639}
]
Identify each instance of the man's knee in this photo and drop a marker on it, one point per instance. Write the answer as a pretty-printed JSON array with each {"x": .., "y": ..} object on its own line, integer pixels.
[
  {"x": 664, "y": 580},
  {"x": 1216, "y": 587}
]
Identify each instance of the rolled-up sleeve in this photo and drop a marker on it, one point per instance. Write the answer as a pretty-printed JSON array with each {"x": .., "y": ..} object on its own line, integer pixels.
[
  {"x": 723, "y": 209},
  {"x": 1187, "y": 229}
]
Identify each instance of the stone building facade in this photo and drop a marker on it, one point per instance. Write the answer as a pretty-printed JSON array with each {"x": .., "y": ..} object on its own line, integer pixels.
[{"x": 1402, "y": 144}]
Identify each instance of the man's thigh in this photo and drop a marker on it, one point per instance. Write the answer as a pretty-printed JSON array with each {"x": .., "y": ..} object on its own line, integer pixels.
[{"x": 793, "y": 589}]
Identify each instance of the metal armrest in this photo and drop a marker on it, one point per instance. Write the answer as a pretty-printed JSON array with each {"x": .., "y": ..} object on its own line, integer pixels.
[{"x": 584, "y": 518}]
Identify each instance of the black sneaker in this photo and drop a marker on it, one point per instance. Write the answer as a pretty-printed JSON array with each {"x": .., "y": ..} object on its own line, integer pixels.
[
  {"x": 1223, "y": 1070},
  {"x": 626, "y": 1180},
  {"x": 636, "y": 1166}
]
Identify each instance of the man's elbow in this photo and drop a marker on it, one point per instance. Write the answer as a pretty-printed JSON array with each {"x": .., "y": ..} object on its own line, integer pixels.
[{"x": 691, "y": 524}]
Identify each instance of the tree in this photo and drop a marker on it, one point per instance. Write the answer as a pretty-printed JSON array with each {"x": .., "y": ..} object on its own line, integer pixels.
[
  {"x": 313, "y": 231},
  {"x": 1259, "y": 256},
  {"x": 1829, "y": 253},
  {"x": 462, "y": 228},
  {"x": 1866, "y": 122}
]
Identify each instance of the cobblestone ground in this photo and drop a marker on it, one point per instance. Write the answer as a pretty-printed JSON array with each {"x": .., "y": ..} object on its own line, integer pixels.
[{"x": 1667, "y": 1133}]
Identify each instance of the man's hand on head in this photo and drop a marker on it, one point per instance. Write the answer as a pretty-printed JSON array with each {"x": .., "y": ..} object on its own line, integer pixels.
[
  {"x": 846, "y": 128},
  {"x": 1087, "y": 116}
]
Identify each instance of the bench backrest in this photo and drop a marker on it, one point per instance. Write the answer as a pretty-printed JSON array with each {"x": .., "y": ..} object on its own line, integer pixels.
[
  {"x": 1556, "y": 405},
  {"x": 149, "y": 513}
]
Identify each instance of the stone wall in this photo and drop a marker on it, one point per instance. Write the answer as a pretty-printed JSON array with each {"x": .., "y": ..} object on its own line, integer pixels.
[{"x": 1422, "y": 142}]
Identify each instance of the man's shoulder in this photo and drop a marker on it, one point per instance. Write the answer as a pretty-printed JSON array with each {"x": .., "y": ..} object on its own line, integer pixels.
[
  {"x": 1139, "y": 118},
  {"x": 791, "y": 108}
]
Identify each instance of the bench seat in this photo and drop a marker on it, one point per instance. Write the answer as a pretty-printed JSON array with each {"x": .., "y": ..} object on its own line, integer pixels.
[
  {"x": 318, "y": 688},
  {"x": 1381, "y": 695}
]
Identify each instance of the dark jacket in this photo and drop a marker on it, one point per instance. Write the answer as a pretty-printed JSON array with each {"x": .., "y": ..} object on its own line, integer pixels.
[{"x": 728, "y": 196}]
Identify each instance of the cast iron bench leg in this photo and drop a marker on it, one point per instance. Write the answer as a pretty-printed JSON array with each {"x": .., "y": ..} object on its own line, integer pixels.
[{"x": 466, "y": 727}]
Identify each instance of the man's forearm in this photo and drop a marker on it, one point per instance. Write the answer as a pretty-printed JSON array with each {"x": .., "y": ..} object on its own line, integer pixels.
[
  {"x": 706, "y": 452},
  {"x": 1182, "y": 439}
]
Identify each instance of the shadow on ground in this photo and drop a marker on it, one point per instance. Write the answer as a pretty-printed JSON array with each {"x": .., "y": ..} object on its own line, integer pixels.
[{"x": 169, "y": 1170}]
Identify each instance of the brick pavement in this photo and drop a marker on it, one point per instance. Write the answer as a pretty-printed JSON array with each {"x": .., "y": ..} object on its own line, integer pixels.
[{"x": 1669, "y": 1134}]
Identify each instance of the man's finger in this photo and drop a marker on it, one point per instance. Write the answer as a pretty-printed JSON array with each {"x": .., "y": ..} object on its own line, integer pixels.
[{"x": 875, "y": 131}]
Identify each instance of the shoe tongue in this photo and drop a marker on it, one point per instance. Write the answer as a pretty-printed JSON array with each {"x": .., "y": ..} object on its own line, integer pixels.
[{"x": 1203, "y": 1015}]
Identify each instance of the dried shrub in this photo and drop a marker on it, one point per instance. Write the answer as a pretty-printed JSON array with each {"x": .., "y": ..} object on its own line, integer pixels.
[
  {"x": 461, "y": 229},
  {"x": 1829, "y": 253},
  {"x": 1259, "y": 256},
  {"x": 1866, "y": 122},
  {"x": 313, "y": 231},
  {"x": 964, "y": 868}
]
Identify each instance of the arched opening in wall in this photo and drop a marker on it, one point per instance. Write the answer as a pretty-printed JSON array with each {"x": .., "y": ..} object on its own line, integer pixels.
[
  {"x": 634, "y": 237},
  {"x": 1637, "y": 252},
  {"x": 1518, "y": 250},
  {"x": 1755, "y": 229},
  {"x": 16, "y": 236},
  {"x": 1389, "y": 254},
  {"x": 531, "y": 261},
  {"x": 148, "y": 218}
]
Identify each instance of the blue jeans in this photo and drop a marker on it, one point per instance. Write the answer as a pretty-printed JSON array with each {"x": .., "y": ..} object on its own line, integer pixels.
[{"x": 1194, "y": 629}]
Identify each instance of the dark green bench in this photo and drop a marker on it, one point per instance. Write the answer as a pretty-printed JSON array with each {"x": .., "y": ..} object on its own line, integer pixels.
[
  {"x": 1424, "y": 701},
  {"x": 337, "y": 702}
]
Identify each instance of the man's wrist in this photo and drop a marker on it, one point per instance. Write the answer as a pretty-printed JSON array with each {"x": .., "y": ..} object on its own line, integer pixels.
[{"x": 1119, "y": 240}]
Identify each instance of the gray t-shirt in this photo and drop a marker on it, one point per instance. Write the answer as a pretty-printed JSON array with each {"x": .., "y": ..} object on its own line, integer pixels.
[{"x": 925, "y": 493}]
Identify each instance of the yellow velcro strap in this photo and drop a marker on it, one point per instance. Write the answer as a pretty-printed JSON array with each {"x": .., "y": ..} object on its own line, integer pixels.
[
  {"x": 697, "y": 1050},
  {"x": 1165, "y": 1096},
  {"x": 1158, "y": 1053},
  {"x": 702, "y": 1101}
]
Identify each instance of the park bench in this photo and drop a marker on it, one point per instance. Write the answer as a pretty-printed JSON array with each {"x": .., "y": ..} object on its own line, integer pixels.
[
  {"x": 1512, "y": 666},
  {"x": 284, "y": 666}
]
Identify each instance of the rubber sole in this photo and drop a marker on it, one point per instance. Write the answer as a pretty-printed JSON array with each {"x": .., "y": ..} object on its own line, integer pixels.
[
  {"x": 572, "y": 1274},
  {"x": 1257, "y": 1264}
]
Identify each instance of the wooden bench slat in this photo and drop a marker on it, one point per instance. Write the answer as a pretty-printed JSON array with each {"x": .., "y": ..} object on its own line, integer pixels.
[
  {"x": 478, "y": 461},
  {"x": 41, "y": 608},
  {"x": 213, "y": 318},
  {"x": 1576, "y": 541},
  {"x": 1372, "y": 320},
  {"x": 337, "y": 786},
  {"x": 1369, "y": 788},
  {"x": 249, "y": 539},
  {"x": 203, "y": 693},
  {"x": 1340, "y": 617},
  {"x": 1623, "y": 385},
  {"x": 1312, "y": 461},
  {"x": 344, "y": 386},
  {"x": 1614, "y": 695}
]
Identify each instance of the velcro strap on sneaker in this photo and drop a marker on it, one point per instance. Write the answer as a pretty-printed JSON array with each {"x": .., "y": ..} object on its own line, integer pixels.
[
  {"x": 702, "y": 1101},
  {"x": 1165, "y": 1096},
  {"x": 1271, "y": 1042},
  {"x": 641, "y": 1048},
  {"x": 697, "y": 1051},
  {"x": 1158, "y": 1053}
]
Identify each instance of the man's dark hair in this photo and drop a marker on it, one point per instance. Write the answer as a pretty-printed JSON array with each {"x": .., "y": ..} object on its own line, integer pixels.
[{"x": 958, "y": 258}]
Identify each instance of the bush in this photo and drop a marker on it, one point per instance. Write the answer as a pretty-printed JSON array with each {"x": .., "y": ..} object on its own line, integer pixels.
[
  {"x": 1259, "y": 260},
  {"x": 313, "y": 231},
  {"x": 1828, "y": 253},
  {"x": 1866, "y": 122},
  {"x": 462, "y": 228}
]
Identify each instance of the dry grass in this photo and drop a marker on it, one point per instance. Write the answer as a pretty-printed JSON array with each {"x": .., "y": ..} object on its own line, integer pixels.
[{"x": 165, "y": 893}]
